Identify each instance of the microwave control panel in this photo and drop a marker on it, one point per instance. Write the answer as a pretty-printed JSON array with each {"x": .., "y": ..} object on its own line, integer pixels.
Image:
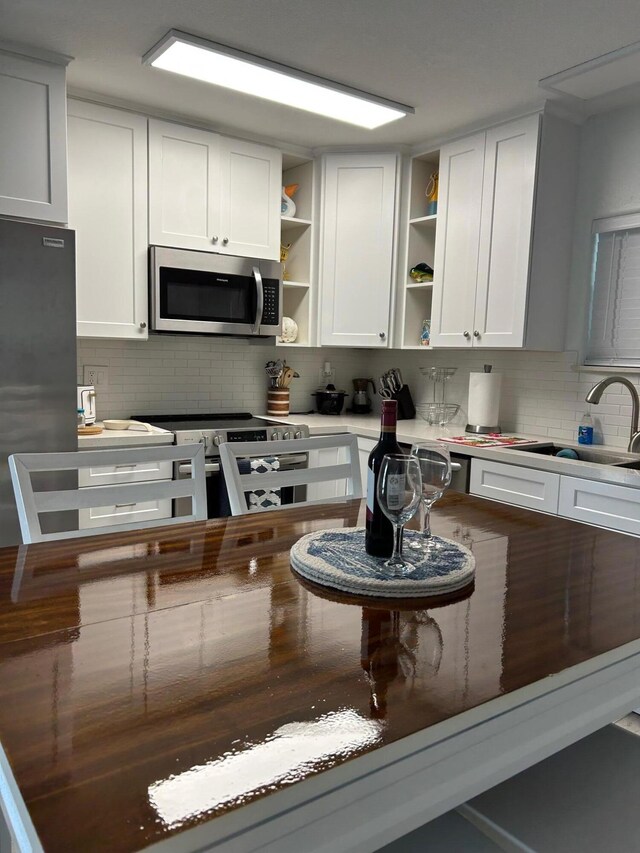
[{"x": 271, "y": 310}]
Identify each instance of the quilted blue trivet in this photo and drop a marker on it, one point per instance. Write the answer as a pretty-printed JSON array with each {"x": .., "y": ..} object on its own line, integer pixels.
[{"x": 337, "y": 558}]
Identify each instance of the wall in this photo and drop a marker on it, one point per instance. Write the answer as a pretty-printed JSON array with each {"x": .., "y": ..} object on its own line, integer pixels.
[
  {"x": 171, "y": 373},
  {"x": 542, "y": 393}
]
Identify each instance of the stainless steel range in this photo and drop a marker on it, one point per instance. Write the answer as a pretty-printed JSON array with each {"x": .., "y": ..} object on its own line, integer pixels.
[{"x": 214, "y": 429}]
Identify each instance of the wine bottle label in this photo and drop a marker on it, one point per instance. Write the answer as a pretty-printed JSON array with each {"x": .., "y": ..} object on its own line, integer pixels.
[
  {"x": 395, "y": 491},
  {"x": 371, "y": 488}
]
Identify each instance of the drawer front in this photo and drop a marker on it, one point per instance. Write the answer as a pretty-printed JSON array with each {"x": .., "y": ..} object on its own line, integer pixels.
[
  {"x": 136, "y": 472},
  {"x": 615, "y": 507},
  {"x": 106, "y": 516},
  {"x": 515, "y": 485}
]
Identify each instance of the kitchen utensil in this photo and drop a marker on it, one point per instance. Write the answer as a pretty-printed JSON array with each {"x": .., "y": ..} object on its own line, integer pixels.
[
  {"x": 329, "y": 401},
  {"x": 86, "y": 399},
  {"x": 361, "y": 403},
  {"x": 438, "y": 413},
  {"x": 278, "y": 402}
]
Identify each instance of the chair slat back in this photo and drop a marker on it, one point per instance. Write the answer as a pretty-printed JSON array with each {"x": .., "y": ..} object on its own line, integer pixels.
[
  {"x": 31, "y": 504},
  {"x": 347, "y": 468}
]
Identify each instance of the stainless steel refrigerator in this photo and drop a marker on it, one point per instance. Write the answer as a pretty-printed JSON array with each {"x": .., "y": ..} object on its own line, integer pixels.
[{"x": 37, "y": 350}]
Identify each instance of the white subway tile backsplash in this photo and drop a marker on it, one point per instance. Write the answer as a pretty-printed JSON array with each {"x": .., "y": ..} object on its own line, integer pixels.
[{"x": 542, "y": 393}]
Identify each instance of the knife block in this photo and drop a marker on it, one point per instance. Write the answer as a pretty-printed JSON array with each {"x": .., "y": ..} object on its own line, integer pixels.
[{"x": 406, "y": 409}]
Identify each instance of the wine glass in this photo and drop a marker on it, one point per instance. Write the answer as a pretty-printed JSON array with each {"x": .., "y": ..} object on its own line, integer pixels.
[
  {"x": 435, "y": 467},
  {"x": 399, "y": 490}
]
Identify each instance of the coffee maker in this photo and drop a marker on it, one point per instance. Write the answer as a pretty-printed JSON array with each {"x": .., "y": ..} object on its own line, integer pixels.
[{"x": 361, "y": 404}]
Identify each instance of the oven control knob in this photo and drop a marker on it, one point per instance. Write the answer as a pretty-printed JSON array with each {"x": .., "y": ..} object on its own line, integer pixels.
[
  {"x": 274, "y": 435},
  {"x": 286, "y": 435},
  {"x": 216, "y": 440},
  {"x": 297, "y": 434}
]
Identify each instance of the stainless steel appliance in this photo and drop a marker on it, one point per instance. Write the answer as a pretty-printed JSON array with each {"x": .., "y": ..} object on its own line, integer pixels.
[
  {"x": 210, "y": 294},
  {"x": 37, "y": 352},
  {"x": 87, "y": 401},
  {"x": 361, "y": 403},
  {"x": 213, "y": 429}
]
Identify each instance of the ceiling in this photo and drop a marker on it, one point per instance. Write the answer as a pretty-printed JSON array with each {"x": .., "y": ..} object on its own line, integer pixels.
[{"x": 458, "y": 62}]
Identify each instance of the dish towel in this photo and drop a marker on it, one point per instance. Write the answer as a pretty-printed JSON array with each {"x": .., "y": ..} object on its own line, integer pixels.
[{"x": 261, "y": 498}]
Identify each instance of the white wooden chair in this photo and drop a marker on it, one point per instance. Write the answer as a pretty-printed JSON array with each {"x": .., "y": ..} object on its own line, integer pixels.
[
  {"x": 31, "y": 504},
  {"x": 346, "y": 469}
]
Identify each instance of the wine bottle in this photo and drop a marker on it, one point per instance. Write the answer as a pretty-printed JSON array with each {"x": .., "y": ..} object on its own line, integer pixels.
[{"x": 379, "y": 535}]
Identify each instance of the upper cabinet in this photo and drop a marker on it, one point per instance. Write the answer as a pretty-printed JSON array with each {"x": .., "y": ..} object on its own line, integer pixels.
[
  {"x": 108, "y": 209},
  {"x": 503, "y": 241},
  {"x": 33, "y": 159},
  {"x": 357, "y": 249},
  {"x": 212, "y": 193}
]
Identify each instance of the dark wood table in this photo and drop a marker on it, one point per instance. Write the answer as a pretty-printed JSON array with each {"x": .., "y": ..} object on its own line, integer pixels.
[{"x": 181, "y": 689}]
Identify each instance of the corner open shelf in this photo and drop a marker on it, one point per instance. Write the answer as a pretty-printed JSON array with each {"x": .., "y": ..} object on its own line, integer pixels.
[
  {"x": 297, "y": 233},
  {"x": 415, "y": 297}
]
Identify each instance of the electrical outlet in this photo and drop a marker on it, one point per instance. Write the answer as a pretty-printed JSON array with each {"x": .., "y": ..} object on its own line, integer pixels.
[{"x": 95, "y": 374}]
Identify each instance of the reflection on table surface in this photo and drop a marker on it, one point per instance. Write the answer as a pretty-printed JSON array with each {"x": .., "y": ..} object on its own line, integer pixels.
[{"x": 172, "y": 675}]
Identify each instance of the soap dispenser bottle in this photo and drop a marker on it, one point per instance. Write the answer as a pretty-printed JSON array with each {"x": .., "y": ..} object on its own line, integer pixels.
[{"x": 585, "y": 429}]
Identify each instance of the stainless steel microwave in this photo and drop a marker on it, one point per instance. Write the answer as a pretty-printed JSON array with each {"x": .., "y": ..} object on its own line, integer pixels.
[{"x": 207, "y": 294}]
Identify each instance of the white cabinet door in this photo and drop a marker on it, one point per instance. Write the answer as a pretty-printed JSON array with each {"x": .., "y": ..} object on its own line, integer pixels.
[
  {"x": 365, "y": 446},
  {"x": 108, "y": 209},
  {"x": 356, "y": 276},
  {"x": 604, "y": 504},
  {"x": 505, "y": 233},
  {"x": 455, "y": 268},
  {"x": 33, "y": 150},
  {"x": 514, "y": 484},
  {"x": 250, "y": 187},
  {"x": 184, "y": 187},
  {"x": 330, "y": 488}
]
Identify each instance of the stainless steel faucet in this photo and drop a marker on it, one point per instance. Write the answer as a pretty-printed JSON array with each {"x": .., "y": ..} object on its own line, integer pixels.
[{"x": 596, "y": 393}]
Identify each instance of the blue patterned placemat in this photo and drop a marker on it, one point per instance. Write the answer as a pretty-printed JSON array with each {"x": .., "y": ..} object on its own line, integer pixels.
[{"x": 337, "y": 558}]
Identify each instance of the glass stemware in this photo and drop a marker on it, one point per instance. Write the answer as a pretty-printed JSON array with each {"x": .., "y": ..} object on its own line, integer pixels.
[
  {"x": 399, "y": 490},
  {"x": 435, "y": 468}
]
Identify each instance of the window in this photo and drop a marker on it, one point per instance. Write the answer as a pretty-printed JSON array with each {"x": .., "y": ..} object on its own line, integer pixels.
[{"x": 614, "y": 320}]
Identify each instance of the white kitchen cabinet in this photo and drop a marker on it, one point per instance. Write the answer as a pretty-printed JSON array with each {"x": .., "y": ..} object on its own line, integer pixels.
[
  {"x": 33, "y": 139},
  {"x": 365, "y": 446},
  {"x": 514, "y": 484},
  {"x": 108, "y": 210},
  {"x": 503, "y": 242},
  {"x": 357, "y": 249},
  {"x": 250, "y": 199},
  {"x": 213, "y": 193},
  {"x": 184, "y": 187},
  {"x": 113, "y": 475},
  {"x": 603, "y": 504},
  {"x": 331, "y": 488}
]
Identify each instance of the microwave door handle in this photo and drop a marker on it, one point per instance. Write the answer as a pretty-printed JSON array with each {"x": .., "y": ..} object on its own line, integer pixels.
[{"x": 259, "y": 300}]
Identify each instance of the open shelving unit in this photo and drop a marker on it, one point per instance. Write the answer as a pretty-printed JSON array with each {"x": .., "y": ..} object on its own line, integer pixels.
[
  {"x": 298, "y": 231},
  {"x": 415, "y": 298}
]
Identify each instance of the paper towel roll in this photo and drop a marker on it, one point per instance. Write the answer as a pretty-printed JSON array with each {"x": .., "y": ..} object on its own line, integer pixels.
[{"x": 484, "y": 399}]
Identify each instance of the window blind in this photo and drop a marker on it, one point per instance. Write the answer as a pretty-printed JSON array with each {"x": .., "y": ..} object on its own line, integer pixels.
[{"x": 614, "y": 327}]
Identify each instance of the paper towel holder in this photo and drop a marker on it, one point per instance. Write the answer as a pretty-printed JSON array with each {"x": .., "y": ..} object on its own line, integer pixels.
[{"x": 481, "y": 429}]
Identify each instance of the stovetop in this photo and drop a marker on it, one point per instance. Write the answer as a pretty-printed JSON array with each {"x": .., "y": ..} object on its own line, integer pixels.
[{"x": 221, "y": 420}]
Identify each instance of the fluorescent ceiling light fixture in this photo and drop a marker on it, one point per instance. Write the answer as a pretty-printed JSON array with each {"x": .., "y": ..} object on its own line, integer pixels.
[
  {"x": 225, "y": 66},
  {"x": 596, "y": 77}
]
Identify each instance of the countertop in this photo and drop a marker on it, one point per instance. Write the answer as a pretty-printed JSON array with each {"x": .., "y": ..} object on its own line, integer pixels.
[
  {"x": 124, "y": 438},
  {"x": 181, "y": 685},
  {"x": 409, "y": 431}
]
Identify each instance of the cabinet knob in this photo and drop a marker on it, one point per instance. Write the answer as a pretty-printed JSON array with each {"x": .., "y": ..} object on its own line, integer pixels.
[
  {"x": 143, "y": 325},
  {"x": 467, "y": 335},
  {"x": 476, "y": 334},
  {"x": 382, "y": 335},
  {"x": 225, "y": 240},
  {"x": 214, "y": 239}
]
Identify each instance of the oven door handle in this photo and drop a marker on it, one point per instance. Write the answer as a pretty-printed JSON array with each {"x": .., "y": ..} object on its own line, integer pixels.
[
  {"x": 209, "y": 468},
  {"x": 259, "y": 300}
]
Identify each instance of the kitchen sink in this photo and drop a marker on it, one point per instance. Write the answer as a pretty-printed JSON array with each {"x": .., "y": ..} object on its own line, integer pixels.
[{"x": 592, "y": 455}]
